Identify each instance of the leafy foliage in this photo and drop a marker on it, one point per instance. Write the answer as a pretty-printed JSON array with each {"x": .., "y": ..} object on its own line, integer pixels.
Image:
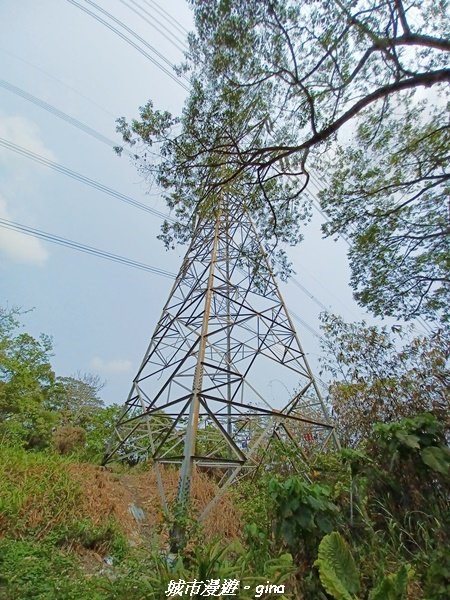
[
  {"x": 340, "y": 578},
  {"x": 387, "y": 196},
  {"x": 338, "y": 572},
  {"x": 419, "y": 446},
  {"x": 99, "y": 429},
  {"x": 303, "y": 513},
  {"x": 437, "y": 583},
  {"x": 76, "y": 398},
  {"x": 391, "y": 587},
  {"x": 26, "y": 381},
  {"x": 279, "y": 86},
  {"x": 382, "y": 375},
  {"x": 30, "y": 571},
  {"x": 39, "y": 498},
  {"x": 388, "y": 497}
]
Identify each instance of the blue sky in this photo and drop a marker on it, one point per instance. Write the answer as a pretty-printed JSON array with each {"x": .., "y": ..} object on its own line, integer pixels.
[{"x": 102, "y": 314}]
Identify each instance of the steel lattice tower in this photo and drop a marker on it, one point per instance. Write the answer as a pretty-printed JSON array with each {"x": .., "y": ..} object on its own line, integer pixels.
[{"x": 201, "y": 397}]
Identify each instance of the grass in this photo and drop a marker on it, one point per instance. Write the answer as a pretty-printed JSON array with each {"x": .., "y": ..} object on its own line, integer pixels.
[
  {"x": 33, "y": 570},
  {"x": 59, "y": 519},
  {"x": 36, "y": 493}
]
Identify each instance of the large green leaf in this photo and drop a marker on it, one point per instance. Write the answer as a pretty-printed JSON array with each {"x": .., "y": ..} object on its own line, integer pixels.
[
  {"x": 410, "y": 440},
  {"x": 337, "y": 569},
  {"x": 436, "y": 458}
]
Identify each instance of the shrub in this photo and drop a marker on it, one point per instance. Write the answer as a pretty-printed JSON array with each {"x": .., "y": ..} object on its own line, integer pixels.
[{"x": 68, "y": 438}]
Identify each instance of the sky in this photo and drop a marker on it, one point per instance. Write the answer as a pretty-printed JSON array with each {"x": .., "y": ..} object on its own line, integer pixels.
[{"x": 101, "y": 314}]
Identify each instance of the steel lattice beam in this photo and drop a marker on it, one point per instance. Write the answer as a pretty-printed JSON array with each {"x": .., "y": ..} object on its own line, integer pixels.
[{"x": 223, "y": 333}]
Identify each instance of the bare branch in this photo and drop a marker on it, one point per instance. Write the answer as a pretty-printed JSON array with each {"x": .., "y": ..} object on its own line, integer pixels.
[{"x": 402, "y": 15}]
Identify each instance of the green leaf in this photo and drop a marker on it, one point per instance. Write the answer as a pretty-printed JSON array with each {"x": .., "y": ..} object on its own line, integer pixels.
[
  {"x": 337, "y": 568},
  {"x": 392, "y": 587},
  {"x": 412, "y": 441},
  {"x": 436, "y": 458},
  {"x": 324, "y": 523},
  {"x": 385, "y": 590}
]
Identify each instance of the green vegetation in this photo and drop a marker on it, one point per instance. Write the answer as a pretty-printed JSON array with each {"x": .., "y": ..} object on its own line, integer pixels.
[
  {"x": 351, "y": 97},
  {"x": 381, "y": 375},
  {"x": 281, "y": 92},
  {"x": 372, "y": 523}
]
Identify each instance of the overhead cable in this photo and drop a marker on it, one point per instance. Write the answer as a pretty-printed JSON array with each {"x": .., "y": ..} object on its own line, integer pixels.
[
  {"x": 308, "y": 293},
  {"x": 60, "y": 81},
  {"x": 183, "y": 48},
  {"x": 62, "y": 241},
  {"x": 67, "y": 118},
  {"x": 48, "y": 237},
  {"x": 82, "y": 178},
  {"x": 166, "y": 16},
  {"x": 305, "y": 324},
  {"x": 131, "y": 42},
  {"x": 133, "y": 33},
  {"x": 100, "y": 137},
  {"x": 57, "y": 113}
]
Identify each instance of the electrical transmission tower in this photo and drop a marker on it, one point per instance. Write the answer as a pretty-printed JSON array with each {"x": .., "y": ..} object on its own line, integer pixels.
[{"x": 203, "y": 397}]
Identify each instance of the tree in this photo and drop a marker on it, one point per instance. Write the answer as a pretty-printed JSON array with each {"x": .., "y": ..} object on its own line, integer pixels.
[
  {"x": 381, "y": 376},
  {"x": 277, "y": 88},
  {"x": 84, "y": 423},
  {"x": 76, "y": 398},
  {"x": 388, "y": 196},
  {"x": 26, "y": 382}
]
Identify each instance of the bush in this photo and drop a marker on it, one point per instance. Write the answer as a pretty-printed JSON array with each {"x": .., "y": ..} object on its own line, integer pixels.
[
  {"x": 42, "y": 500},
  {"x": 67, "y": 439},
  {"x": 303, "y": 514}
]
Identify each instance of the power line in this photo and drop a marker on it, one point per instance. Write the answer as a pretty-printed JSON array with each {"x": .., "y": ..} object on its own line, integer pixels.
[
  {"x": 308, "y": 293},
  {"x": 181, "y": 48},
  {"x": 316, "y": 181},
  {"x": 57, "y": 113},
  {"x": 127, "y": 199},
  {"x": 314, "y": 177},
  {"x": 167, "y": 16},
  {"x": 133, "y": 33},
  {"x": 90, "y": 131},
  {"x": 49, "y": 237},
  {"x": 60, "y": 81},
  {"x": 82, "y": 178},
  {"x": 425, "y": 326},
  {"x": 100, "y": 137},
  {"x": 62, "y": 241},
  {"x": 65, "y": 117},
  {"x": 305, "y": 324},
  {"x": 129, "y": 41}
]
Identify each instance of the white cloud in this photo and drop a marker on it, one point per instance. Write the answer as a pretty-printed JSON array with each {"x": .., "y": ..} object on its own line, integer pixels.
[
  {"x": 20, "y": 247},
  {"x": 111, "y": 367},
  {"x": 24, "y": 133},
  {"x": 19, "y": 188}
]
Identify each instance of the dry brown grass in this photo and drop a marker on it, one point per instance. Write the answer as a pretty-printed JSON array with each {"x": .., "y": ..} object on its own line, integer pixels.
[
  {"x": 43, "y": 494},
  {"x": 38, "y": 498},
  {"x": 224, "y": 521},
  {"x": 103, "y": 497}
]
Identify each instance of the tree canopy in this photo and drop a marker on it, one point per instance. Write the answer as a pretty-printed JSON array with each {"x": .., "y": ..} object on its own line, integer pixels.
[
  {"x": 380, "y": 375},
  {"x": 26, "y": 382},
  {"x": 35, "y": 403},
  {"x": 76, "y": 398},
  {"x": 355, "y": 91}
]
